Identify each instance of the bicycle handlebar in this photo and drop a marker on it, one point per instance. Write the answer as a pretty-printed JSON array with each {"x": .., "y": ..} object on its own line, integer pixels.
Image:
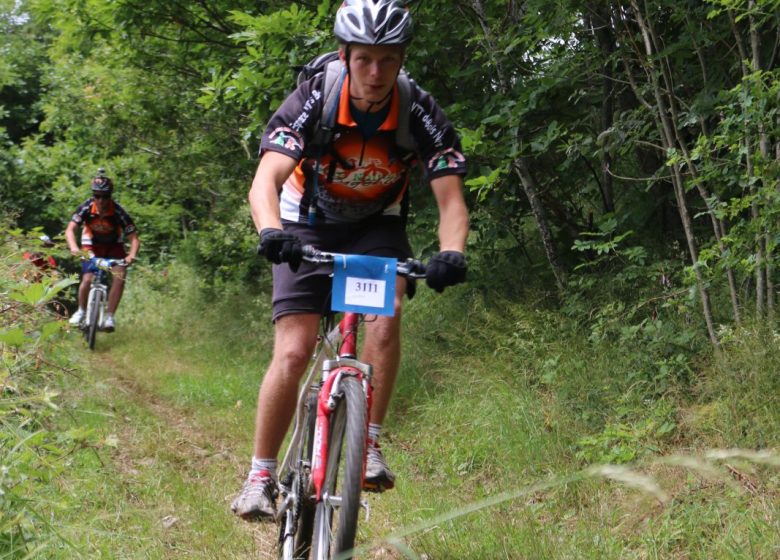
[
  {"x": 104, "y": 263},
  {"x": 410, "y": 268}
]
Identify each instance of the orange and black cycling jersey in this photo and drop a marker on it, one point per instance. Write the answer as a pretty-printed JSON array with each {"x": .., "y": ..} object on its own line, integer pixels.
[
  {"x": 102, "y": 231},
  {"x": 358, "y": 177}
]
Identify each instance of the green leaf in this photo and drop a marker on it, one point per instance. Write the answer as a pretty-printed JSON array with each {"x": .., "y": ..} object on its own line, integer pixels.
[
  {"x": 49, "y": 329},
  {"x": 31, "y": 295},
  {"x": 14, "y": 337}
]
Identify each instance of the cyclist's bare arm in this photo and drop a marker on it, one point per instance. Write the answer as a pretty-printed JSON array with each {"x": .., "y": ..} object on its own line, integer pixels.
[
  {"x": 70, "y": 238},
  {"x": 273, "y": 171},
  {"x": 135, "y": 244},
  {"x": 453, "y": 214}
]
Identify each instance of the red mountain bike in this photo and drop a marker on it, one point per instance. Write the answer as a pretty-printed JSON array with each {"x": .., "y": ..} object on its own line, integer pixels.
[{"x": 321, "y": 475}]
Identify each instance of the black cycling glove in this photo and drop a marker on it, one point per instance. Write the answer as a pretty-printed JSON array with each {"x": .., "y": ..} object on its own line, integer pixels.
[
  {"x": 279, "y": 247},
  {"x": 445, "y": 269}
]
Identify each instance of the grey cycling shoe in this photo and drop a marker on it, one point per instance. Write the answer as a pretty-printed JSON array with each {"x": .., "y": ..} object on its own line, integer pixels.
[
  {"x": 257, "y": 499},
  {"x": 379, "y": 477}
]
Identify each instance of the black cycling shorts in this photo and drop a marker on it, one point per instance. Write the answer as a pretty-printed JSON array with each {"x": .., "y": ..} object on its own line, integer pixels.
[{"x": 309, "y": 289}]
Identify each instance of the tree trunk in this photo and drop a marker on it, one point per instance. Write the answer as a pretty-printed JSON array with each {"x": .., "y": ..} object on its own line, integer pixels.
[
  {"x": 670, "y": 142},
  {"x": 763, "y": 260},
  {"x": 599, "y": 23},
  {"x": 518, "y": 165},
  {"x": 532, "y": 192},
  {"x": 762, "y": 264}
]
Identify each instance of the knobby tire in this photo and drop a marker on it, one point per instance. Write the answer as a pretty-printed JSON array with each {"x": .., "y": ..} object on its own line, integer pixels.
[
  {"x": 306, "y": 518},
  {"x": 304, "y": 524},
  {"x": 94, "y": 318},
  {"x": 346, "y": 449}
]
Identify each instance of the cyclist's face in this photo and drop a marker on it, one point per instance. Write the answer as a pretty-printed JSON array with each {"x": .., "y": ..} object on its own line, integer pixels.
[
  {"x": 372, "y": 72},
  {"x": 102, "y": 200}
]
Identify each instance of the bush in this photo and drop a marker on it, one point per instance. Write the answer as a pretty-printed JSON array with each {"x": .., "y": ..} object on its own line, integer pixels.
[{"x": 32, "y": 452}]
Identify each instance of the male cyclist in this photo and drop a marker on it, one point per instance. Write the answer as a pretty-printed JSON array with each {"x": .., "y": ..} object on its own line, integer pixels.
[
  {"x": 105, "y": 227},
  {"x": 357, "y": 199}
]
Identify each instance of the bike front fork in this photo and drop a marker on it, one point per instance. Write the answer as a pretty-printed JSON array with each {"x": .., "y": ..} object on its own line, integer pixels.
[{"x": 97, "y": 296}]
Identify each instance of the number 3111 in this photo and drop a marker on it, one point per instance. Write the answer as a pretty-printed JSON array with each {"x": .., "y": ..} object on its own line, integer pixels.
[{"x": 366, "y": 287}]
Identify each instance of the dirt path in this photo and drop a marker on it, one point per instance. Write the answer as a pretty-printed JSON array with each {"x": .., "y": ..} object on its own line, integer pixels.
[
  {"x": 166, "y": 446},
  {"x": 181, "y": 440}
]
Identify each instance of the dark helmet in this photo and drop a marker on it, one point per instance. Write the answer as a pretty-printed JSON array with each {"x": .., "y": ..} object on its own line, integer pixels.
[
  {"x": 373, "y": 22},
  {"x": 101, "y": 183}
]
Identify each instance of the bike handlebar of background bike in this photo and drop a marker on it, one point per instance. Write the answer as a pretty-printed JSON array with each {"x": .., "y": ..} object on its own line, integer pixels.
[
  {"x": 104, "y": 263},
  {"x": 410, "y": 268}
]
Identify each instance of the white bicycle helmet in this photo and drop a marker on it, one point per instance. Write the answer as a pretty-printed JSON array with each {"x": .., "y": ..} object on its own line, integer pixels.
[{"x": 373, "y": 22}]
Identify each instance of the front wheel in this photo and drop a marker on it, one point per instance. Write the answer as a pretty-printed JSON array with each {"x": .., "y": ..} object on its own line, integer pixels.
[
  {"x": 93, "y": 319},
  {"x": 336, "y": 515}
]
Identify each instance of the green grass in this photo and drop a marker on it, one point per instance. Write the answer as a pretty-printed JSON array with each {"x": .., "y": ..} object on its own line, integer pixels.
[{"x": 498, "y": 407}]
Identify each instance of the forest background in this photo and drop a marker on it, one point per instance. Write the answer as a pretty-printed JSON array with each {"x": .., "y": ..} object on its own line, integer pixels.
[{"x": 624, "y": 197}]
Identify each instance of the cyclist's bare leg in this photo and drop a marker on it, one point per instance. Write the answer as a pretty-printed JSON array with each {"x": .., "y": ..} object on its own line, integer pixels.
[
  {"x": 294, "y": 340},
  {"x": 117, "y": 288},
  {"x": 382, "y": 349},
  {"x": 86, "y": 283}
]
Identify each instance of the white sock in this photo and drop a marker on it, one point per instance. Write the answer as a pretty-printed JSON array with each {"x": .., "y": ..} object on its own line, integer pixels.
[
  {"x": 260, "y": 465},
  {"x": 374, "y": 430}
]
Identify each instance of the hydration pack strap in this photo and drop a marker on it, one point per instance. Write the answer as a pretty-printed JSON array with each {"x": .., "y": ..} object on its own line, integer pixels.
[
  {"x": 335, "y": 73},
  {"x": 403, "y": 134}
]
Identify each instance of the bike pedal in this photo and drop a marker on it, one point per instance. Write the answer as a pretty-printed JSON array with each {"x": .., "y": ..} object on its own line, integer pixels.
[
  {"x": 377, "y": 487},
  {"x": 365, "y": 505}
]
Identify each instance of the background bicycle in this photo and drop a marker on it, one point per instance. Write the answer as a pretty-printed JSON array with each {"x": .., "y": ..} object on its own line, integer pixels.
[
  {"x": 321, "y": 475},
  {"x": 94, "y": 317}
]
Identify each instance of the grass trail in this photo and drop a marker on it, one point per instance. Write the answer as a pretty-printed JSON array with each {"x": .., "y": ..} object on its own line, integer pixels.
[
  {"x": 166, "y": 472},
  {"x": 491, "y": 409}
]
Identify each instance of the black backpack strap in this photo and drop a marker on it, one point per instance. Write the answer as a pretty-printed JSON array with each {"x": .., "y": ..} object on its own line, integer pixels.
[
  {"x": 335, "y": 72},
  {"x": 315, "y": 66},
  {"x": 403, "y": 134}
]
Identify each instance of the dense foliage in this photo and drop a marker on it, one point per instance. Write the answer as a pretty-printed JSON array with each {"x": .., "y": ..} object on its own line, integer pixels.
[
  {"x": 33, "y": 452},
  {"x": 622, "y": 134}
]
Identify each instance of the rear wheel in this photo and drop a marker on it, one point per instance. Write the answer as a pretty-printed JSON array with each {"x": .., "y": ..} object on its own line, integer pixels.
[
  {"x": 306, "y": 516},
  {"x": 296, "y": 527},
  {"x": 336, "y": 514},
  {"x": 95, "y": 303},
  {"x": 305, "y": 523}
]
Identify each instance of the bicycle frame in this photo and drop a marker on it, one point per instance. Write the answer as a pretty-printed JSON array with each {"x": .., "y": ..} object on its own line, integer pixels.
[
  {"x": 98, "y": 295},
  {"x": 341, "y": 343},
  {"x": 335, "y": 379},
  {"x": 99, "y": 284},
  {"x": 333, "y": 359},
  {"x": 332, "y": 372}
]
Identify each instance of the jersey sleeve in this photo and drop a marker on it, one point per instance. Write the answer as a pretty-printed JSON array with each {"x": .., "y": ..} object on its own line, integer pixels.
[
  {"x": 125, "y": 221},
  {"x": 438, "y": 144},
  {"x": 292, "y": 124},
  {"x": 81, "y": 212}
]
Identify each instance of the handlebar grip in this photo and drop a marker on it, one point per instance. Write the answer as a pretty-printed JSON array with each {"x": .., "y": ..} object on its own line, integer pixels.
[{"x": 311, "y": 252}]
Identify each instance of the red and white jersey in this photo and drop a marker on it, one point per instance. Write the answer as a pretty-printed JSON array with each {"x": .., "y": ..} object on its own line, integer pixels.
[{"x": 358, "y": 178}]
